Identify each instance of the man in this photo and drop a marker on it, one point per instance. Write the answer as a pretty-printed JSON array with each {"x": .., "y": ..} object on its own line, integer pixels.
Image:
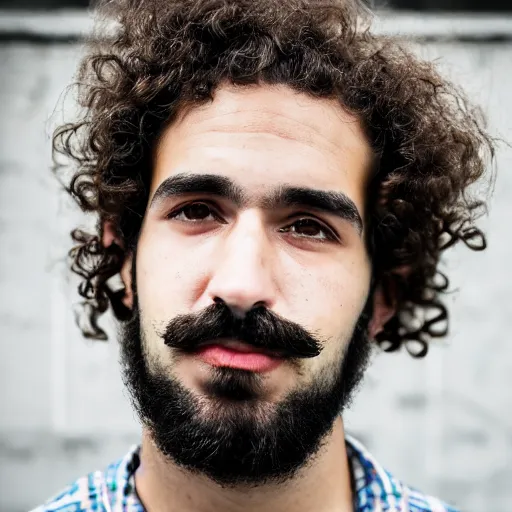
[{"x": 275, "y": 185}]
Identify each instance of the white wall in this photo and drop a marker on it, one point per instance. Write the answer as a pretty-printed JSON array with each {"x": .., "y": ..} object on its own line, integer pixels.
[{"x": 444, "y": 424}]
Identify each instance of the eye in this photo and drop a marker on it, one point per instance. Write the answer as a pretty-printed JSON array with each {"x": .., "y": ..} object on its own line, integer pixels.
[
  {"x": 309, "y": 228},
  {"x": 194, "y": 212}
]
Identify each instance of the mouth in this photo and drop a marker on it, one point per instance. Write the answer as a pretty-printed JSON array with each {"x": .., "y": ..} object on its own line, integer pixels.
[{"x": 239, "y": 355}]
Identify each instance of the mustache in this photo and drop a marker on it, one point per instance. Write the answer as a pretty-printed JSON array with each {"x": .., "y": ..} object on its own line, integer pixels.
[{"x": 260, "y": 328}]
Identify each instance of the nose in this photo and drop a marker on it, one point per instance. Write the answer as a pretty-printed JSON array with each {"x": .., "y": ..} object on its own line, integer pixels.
[{"x": 242, "y": 277}]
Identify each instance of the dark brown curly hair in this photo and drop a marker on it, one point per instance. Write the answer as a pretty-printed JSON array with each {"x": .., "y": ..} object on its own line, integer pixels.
[{"x": 430, "y": 145}]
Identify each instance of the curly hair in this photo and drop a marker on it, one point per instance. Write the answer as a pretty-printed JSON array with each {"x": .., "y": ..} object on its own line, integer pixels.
[{"x": 430, "y": 144}]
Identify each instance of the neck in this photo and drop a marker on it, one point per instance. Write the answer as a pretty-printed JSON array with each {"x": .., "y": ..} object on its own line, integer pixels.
[{"x": 323, "y": 485}]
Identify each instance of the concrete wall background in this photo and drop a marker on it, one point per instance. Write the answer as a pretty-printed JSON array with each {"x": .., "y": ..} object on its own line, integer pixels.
[{"x": 444, "y": 424}]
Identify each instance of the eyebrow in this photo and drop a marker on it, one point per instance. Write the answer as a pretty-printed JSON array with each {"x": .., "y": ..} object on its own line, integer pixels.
[
  {"x": 333, "y": 203},
  {"x": 329, "y": 202},
  {"x": 181, "y": 184}
]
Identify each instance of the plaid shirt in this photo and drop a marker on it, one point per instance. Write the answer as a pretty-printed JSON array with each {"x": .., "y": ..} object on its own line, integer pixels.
[{"x": 376, "y": 490}]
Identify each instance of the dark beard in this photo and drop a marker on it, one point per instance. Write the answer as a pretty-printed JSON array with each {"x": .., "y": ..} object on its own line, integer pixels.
[{"x": 229, "y": 434}]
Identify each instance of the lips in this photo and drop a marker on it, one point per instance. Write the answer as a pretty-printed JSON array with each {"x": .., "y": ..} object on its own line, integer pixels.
[{"x": 235, "y": 354}]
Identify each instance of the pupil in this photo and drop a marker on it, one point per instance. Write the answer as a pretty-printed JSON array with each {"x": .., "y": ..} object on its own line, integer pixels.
[
  {"x": 307, "y": 227},
  {"x": 198, "y": 211}
]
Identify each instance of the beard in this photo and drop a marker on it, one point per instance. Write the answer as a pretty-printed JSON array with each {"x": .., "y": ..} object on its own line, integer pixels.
[{"x": 230, "y": 433}]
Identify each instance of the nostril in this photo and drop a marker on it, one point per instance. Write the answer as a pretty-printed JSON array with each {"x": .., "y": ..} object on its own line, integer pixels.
[{"x": 237, "y": 310}]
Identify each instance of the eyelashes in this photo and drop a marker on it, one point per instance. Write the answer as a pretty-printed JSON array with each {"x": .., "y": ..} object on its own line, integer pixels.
[
  {"x": 198, "y": 211},
  {"x": 303, "y": 226},
  {"x": 307, "y": 227}
]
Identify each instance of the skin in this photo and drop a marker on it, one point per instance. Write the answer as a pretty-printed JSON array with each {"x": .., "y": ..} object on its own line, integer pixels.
[{"x": 261, "y": 138}]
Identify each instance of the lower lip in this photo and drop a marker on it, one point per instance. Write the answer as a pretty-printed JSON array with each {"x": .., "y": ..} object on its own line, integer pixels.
[{"x": 217, "y": 355}]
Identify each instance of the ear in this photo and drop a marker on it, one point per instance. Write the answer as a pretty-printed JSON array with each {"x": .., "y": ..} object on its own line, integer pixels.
[
  {"x": 383, "y": 311},
  {"x": 109, "y": 237},
  {"x": 126, "y": 277}
]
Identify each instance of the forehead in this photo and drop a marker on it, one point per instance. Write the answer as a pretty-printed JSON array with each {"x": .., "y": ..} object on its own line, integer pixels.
[{"x": 268, "y": 136}]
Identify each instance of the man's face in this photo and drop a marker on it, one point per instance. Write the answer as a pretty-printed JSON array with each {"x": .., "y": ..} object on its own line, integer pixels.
[{"x": 255, "y": 209}]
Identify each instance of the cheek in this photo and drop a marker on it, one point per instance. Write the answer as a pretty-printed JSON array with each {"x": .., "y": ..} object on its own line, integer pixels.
[
  {"x": 334, "y": 298},
  {"x": 169, "y": 275},
  {"x": 333, "y": 301}
]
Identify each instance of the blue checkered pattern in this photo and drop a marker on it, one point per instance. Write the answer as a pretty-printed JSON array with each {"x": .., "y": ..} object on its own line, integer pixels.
[{"x": 376, "y": 490}]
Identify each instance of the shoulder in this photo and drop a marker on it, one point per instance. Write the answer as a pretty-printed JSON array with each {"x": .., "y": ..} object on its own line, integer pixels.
[
  {"x": 93, "y": 492},
  {"x": 83, "y": 495},
  {"x": 420, "y": 502},
  {"x": 377, "y": 489},
  {"x": 413, "y": 500}
]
